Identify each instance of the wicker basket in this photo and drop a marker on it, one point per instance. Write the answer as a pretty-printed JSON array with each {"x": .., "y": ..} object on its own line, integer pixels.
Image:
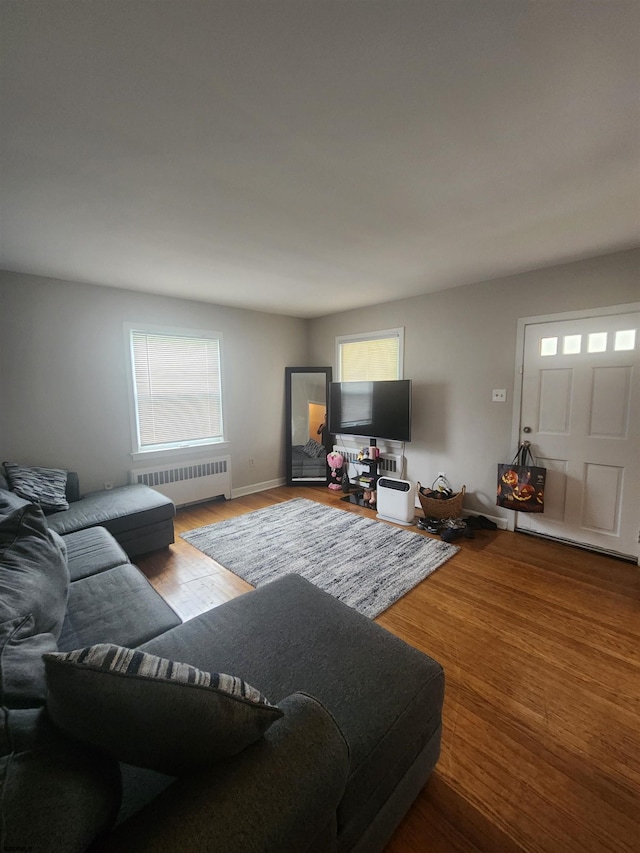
[{"x": 448, "y": 508}]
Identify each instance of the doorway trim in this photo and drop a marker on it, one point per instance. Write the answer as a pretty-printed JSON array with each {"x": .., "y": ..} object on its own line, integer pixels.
[{"x": 523, "y": 322}]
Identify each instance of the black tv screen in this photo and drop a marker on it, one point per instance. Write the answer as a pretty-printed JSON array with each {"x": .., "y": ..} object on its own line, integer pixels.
[{"x": 371, "y": 409}]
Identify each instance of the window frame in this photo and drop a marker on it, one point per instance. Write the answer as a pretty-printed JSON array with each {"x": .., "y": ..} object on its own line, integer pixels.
[
  {"x": 175, "y": 449},
  {"x": 371, "y": 336}
]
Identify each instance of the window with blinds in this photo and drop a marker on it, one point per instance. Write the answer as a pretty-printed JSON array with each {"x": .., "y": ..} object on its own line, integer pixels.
[
  {"x": 177, "y": 389},
  {"x": 371, "y": 356}
]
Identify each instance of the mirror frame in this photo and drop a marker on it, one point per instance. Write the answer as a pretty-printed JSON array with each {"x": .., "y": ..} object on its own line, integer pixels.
[{"x": 289, "y": 372}]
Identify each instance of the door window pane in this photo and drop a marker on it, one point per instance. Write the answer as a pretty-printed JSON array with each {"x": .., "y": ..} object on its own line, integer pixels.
[
  {"x": 548, "y": 346},
  {"x": 597, "y": 342},
  {"x": 625, "y": 339},
  {"x": 572, "y": 344}
]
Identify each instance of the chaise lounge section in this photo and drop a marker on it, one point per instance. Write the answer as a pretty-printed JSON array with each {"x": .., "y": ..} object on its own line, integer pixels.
[{"x": 138, "y": 517}]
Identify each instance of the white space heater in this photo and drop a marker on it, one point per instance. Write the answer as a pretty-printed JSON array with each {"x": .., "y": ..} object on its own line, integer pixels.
[{"x": 396, "y": 500}]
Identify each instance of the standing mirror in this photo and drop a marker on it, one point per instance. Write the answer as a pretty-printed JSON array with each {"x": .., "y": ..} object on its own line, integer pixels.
[{"x": 307, "y": 436}]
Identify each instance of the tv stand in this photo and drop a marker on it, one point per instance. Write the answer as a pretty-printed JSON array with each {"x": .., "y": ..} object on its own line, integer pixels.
[
  {"x": 372, "y": 476},
  {"x": 357, "y": 499}
]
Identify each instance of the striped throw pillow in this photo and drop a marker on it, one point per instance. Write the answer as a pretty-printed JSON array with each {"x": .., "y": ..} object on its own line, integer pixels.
[
  {"x": 43, "y": 486},
  {"x": 153, "y": 712}
]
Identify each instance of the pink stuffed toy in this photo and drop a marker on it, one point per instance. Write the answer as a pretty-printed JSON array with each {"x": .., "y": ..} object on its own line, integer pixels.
[{"x": 335, "y": 461}]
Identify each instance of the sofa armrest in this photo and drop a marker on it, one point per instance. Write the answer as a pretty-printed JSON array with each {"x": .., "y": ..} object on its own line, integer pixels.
[{"x": 279, "y": 794}]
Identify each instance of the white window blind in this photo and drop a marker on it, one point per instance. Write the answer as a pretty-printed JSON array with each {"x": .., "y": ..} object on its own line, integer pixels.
[
  {"x": 368, "y": 358},
  {"x": 177, "y": 389}
]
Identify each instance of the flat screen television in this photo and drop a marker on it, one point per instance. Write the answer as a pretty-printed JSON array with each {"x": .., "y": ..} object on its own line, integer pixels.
[{"x": 372, "y": 409}]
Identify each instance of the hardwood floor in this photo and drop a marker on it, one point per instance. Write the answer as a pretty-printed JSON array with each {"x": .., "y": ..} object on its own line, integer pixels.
[{"x": 541, "y": 648}]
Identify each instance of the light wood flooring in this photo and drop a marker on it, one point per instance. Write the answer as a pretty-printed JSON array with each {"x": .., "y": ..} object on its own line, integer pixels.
[{"x": 540, "y": 644}]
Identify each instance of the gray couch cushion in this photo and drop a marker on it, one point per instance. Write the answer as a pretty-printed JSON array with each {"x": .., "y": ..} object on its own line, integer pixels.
[
  {"x": 10, "y": 501},
  {"x": 142, "y": 540},
  {"x": 117, "y": 606},
  {"x": 60, "y": 542},
  {"x": 56, "y": 795},
  {"x": 92, "y": 551},
  {"x": 290, "y": 636},
  {"x": 277, "y": 796},
  {"x": 119, "y": 510},
  {"x": 22, "y": 678},
  {"x": 34, "y": 578},
  {"x": 153, "y": 712}
]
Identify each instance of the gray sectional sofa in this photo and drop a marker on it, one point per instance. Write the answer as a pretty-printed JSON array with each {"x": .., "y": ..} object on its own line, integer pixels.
[
  {"x": 139, "y": 518},
  {"x": 343, "y": 737}
]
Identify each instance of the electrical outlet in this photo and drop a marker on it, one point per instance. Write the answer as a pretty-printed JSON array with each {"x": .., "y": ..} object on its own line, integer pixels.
[
  {"x": 251, "y": 462},
  {"x": 108, "y": 485},
  {"x": 499, "y": 395}
]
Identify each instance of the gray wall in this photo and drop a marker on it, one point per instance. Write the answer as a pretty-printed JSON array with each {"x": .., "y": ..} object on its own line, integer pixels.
[
  {"x": 64, "y": 392},
  {"x": 460, "y": 344},
  {"x": 64, "y": 386}
]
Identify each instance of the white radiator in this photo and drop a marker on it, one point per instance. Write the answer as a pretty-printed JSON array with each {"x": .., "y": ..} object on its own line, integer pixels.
[{"x": 188, "y": 482}]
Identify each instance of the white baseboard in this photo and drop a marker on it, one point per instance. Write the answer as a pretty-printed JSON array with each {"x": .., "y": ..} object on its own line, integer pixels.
[
  {"x": 501, "y": 522},
  {"x": 257, "y": 487}
]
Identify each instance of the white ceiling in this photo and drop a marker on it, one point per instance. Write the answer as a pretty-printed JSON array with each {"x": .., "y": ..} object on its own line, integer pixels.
[{"x": 309, "y": 156}]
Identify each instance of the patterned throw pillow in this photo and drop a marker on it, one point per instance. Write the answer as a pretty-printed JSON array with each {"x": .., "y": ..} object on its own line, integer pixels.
[
  {"x": 313, "y": 449},
  {"x": 43, "y": 486},
  {"x": 152, "y": 712}
]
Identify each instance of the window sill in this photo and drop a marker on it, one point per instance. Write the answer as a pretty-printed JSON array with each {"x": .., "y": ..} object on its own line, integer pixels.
[{"x": 178, "y": 453}]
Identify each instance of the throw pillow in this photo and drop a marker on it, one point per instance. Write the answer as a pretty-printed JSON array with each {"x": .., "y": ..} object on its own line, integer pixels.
[
  {"x": 313, "y": 449},
  {"x": 152, "y": 712},
  {"x": 43, "y": 486}
]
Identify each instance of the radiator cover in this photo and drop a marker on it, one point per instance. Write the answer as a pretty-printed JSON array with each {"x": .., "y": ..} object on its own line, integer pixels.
[{"x": 190, "y": 482}]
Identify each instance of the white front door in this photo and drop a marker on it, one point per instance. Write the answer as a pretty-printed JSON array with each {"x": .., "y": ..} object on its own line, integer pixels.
[{"x": 580, "y": 410}]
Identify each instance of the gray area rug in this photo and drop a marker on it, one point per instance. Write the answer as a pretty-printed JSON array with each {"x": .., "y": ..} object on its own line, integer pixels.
[{"x": 365, "y": 563}]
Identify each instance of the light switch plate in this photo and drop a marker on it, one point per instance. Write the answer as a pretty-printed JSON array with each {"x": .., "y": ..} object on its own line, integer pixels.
[{"x": 499, "y": 395}]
